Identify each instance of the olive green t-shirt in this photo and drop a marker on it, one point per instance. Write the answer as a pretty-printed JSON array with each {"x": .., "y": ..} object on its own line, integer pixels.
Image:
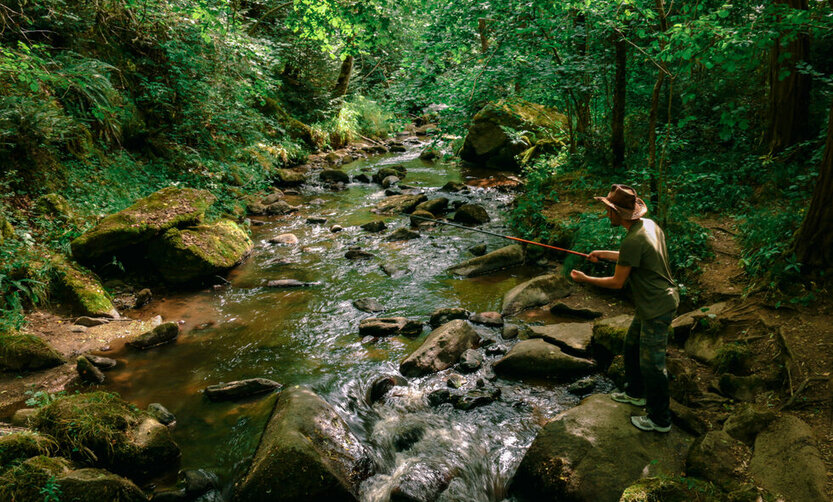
[{"x": 643, "y": 249}]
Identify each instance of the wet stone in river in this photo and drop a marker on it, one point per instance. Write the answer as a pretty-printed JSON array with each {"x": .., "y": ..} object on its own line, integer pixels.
[
  {"x": 164, "y": 333},
  {"x": 444, "y": 315},
  {"x": 161, "y": 414},
  {"x": 358, "y": 254},
  {"x": 393, "y": 270},
  {"x": 104, "y": 363},
  {"x": 487, "y": 318},
  {"x": 368, "y": 305},
  {"x": 470, "y": 361},
  {"x": 88, "y": 372},
  {"x": 374, "y": 226},
  {"x": 382, "y": 385},
  {"x": 402, "y": 234},
  {"x": 389, "y": 326},
  {"x": 241, "y": 389}
]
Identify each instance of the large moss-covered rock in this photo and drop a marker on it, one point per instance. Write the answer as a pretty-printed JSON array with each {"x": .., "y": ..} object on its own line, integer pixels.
[
  {"x": 534, "y": 293},
  {"x": 82, "y": 289},
  {"x": 97, "y": 485},
  {"x": 592, "y": 452},
  {"x": 306, "y": 453},
  {"x": 288, "y": 178},
  {"x": 22, "y": 445},
  {"x": 609, "y": 336},
  {"x": 32, "y": 479},
  {"x": 195, "y": 252},
  {"x": 441, "y": 349},
  {"x": 146, "y": 218},
  {"x": 25, "y": 352},
  {"x": 499, "y": 259},
  {"x": 488, "y": 144},
  {"x": 107, "y": 432}
]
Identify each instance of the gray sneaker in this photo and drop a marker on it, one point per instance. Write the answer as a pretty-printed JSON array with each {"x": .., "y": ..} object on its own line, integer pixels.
[
  {"x": 623, "y": 397},
  {"x": 646, "y": 424}
]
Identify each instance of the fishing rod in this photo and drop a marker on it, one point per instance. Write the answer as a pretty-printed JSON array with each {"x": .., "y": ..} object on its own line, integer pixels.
[{"x": 518, "y": 239}]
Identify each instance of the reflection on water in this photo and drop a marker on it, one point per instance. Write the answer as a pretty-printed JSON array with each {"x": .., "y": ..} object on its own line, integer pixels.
[{"x": 309, "y": 336}]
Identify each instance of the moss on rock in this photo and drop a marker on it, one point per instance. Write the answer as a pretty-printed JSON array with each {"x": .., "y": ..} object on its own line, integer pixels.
[
  {"x": 82, "y": 289},
  {"x": 23, "y": 445},
  {"x": 185, "y": 255},
  {"x": 25, "y": 352},
  {"x": 54, "y": 205},
  {"x": 30, "y": 479},
  {"x": 660, "y": 489},
  {"x": 102, "y": 429},
  {"x": 154, "y": 214},
  {"x": 98, "y": 485}
]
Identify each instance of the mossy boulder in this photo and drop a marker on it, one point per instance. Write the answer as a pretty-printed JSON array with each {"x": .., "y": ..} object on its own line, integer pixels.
[
  {"x": 29, "y": 480},
  {"x": 609, "y": 337},
  {"x": 82, "y": 289},
  {"x": 288, "y": 178},
  {"x": 25, "y": 352},
  {"x": 22, "y": 445},
  {"x": 488, "y": 144},
  {"x": 196, "y": 252},
  {"x": 307, "y": 452},
  {"x": 168, "y": 208},
  {"x": 103, "y": 430},
  {"x": 97, "y": 485}
]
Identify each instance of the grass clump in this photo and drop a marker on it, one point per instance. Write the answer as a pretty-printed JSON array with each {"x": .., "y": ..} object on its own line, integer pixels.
[
  {"x": 32, "y": 479},
  {"x": 23, "y": 445},
  {"x": 733, "y": 358},
  {"x": 765, "y": 236}
]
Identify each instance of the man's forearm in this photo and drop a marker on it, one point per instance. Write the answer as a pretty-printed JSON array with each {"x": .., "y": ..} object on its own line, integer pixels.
[
  {"x": 609, "y": 255},
  {"x": 604, "y": 282}
]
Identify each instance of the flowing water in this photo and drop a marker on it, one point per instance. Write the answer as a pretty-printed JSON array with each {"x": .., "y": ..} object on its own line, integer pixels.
[{"x": 310, "y": 337}]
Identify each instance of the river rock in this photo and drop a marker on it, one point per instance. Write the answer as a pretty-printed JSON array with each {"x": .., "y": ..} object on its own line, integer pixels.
[
  {"x": 316, "y": 220},
  {"x": 437, "y": 206},
  {"x": 719, "y": 458},
  {"x": 534, "y": 293},
  {"x": 422, "y": 218},
  {"x": 391, "y": 191},
  {"x": 285, "y": 239},
  {"x": 280, "y": 207},
  {"x": 499, "y": 259},
  {"x": 453, "y": 186},
  {"x": 198, "y": 481},
  {"x": 478, "y": 250},
  {"x": 307, "y": 452},
  {"x": 390, "y": 181},
  {"x": 81, "y": 289},
  {"x": 288, "y": 178},
  {"x": 421, "y": 482},
  {"x": 168, "y": 208},
  {"x": 609, "y": 336},
  {"x": 374, "y": 226},
  {"x": 368, "y": 305},
  {"x": 143, "y": 297},
  {"x": 240, "y": 389},
  {"x": 786, "y": 460},
  {"x": 487, "y": 319},
  {"x": 539, "y": 358},
  {"x": 592, "y": 452},
  {"x": 381, "y": 385},
  {"x": 290, "y": 283},
  {"x": 333, "y": 176},
  {"x": 185, "y": 255},
  {"x": 161, "y": 414},
  {"x": 90, "y": 322},
  {"x": 475, "y": 398},
  {"x": 273, "y": 197},
  {"x": 441, "y": 349},
  {"x": 393, "y": 270},
  {"x": 472, "y": 214},
  {"x": 746, "y": 421},
  {"x": 399, "y": 204},
  {"x": 487, "y": 143},
  {"x": 395, "y": 170},
  {"x": 97, "y": 485},
  {"x": 336, "y": 228},
  {"x": 510, "y": 331},
  {"x": 121, "y": 438},
  {"x": 88, "y": 372},
  {"x": 444, "y": 315},
  {"x": 402, "y": 234},
  {"x": 164, "y": 333},
  {"x": 25, "y": 352},
  {"x": 582, "y": 387},
  {"x": 470, "y": 361},
  {"x": 577, "y": 307},
  {"x": 362, "y": 178},
  {"x": 389, "y": 326},
  {"x": 572, "y": 337}
]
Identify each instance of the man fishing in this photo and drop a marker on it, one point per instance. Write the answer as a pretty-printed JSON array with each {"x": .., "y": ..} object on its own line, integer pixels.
[{"x": 642, "y": 262}]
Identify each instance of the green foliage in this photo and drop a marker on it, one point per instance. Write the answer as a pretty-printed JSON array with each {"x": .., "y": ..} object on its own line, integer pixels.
[
  {"x": 51, "y": 490},
  {"x": 766, "y": 235},
  {"x": 527, "y": 218},
  {"x": 732, "y": 358},
  {"x": 357, "y": 117}
]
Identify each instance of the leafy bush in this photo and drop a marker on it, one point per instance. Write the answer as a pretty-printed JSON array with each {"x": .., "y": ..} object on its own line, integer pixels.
[
  {"x": 765, "y": 236},
  {"x": 527, "y": 218}
]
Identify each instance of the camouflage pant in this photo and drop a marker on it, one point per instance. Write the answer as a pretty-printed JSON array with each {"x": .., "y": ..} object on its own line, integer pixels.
[{"x": 645, "y": 371}]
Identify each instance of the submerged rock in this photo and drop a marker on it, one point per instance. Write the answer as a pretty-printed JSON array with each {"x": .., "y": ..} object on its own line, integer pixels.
[
  {"x": 534, "y": 293},
  {"x": 470, "y": 361},
  {"x": 168, "y": 208},
  {"x": 240, "y": 389},
  {"x": 196, "y": 252},
  {"x": 422, "y": 482},
  {"x": 389, "y": 326},
  {"x": 358, "y": 254},
  {"x": 539, "y": 358},
  {"x": 307, "y": 452},
  {"x": 592, "y": 453},
  {"x": 441, "y": 349},
  {"x": 393, "y": 270},
  {"x": 164, "y": 333},
  {"x": 25, "y": 352},
  {"x": 380, "y": 386},
  {"x": 290, "y": 283},
  {"x": 499, "y": 259},
  {"x": 402, "y": 234}
]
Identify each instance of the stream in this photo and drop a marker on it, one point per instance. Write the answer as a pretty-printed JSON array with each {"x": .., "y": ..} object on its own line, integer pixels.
[{"x": 309, "y": 337}]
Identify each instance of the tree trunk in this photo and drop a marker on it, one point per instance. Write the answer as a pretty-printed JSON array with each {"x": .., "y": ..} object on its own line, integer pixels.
[
  {"x": 484, "y": 39},
  {"x": 343, "y": 81},
  {"x": 582, "y": 97},
  {"x": 652, "y": 139},
  {"x": 617, "y": 140},
  {"x": 813, "y": 243},
  {"x": 789, "y": 96}
]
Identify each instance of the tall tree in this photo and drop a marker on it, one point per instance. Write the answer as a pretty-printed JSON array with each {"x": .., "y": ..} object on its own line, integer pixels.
[
  {"x": 813, "y": 243},
  {"x": 617, "y": 140},
  {"x": 789, "y": 89},
  {"x": 343, "y": 81}
]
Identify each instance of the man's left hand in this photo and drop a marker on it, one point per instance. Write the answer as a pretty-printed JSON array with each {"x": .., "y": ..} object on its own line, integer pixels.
[{"x": 578, "y": 276}]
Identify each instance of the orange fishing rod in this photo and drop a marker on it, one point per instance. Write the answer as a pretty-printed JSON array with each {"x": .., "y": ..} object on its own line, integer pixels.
[{"x": 518, "y": 239}]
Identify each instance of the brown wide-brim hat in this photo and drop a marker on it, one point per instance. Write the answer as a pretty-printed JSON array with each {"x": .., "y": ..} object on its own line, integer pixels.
[{"x": 624, "y": 201}]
